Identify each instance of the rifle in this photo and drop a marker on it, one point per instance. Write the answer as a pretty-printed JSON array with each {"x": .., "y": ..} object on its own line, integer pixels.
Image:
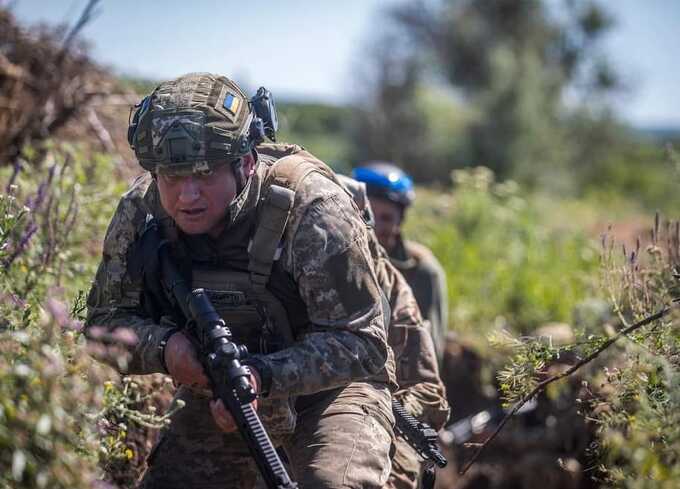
[
  {"x": 462, "y": 431},
  {"x": 221, "y": 359},
  {"x": 422, "y": 438}
]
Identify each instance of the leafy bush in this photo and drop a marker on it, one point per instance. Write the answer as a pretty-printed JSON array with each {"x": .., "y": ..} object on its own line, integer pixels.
[
  {"x": 628, "y": 365},
  {"x": 46, "y": 391},
  {"x": 45, "y": 386}
]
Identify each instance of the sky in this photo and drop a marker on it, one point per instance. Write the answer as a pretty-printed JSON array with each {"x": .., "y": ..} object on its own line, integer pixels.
[{"x": 305, "y": 49}]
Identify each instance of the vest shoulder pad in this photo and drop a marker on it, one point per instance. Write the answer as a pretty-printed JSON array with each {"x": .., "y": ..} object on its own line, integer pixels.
[
  {"x": 420, "y": 253},
  {"x": 278, "y": 150},
  {"x": 292, "y": 169},
  {"x": 357, "y": 189}
]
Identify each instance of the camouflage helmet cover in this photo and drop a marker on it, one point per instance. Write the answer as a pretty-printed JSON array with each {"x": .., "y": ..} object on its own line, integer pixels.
[{"x": 191, "y": 124}]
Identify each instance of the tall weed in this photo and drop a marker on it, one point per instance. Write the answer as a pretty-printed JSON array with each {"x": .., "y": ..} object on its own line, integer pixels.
[{"x": 638, "y": 410}]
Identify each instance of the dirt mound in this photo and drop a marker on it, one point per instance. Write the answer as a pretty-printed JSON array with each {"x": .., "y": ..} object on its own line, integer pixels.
[{"x": 50, "y": 88}]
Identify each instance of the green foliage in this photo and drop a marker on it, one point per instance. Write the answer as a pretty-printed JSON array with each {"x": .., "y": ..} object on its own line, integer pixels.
[
  {"x": 46, "y": 437},
  {"x": 128, "y": 423},
  {"x": 141, "y": 86},
  {"x": 630, "y": 389},
  {"x": 506, "y": 264},
  {"x": 57, "y": 419},
  {"x": 642, "y": 171},
  {"x": 45, "y": 433},
  {"x": 638, "y": 410},
  {"x": 640, "y": 423},
  {"x": 512, "y": 62},
  {"x": 67, "y": 204}
]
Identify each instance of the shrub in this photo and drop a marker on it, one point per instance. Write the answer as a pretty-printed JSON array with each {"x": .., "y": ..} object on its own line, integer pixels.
[
  {"x": 638, "y": 411},
  {"x": 506, "y": 264}
]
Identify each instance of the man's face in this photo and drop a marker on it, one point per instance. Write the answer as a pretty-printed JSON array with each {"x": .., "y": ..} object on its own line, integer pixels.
[
  {"x": 388, "y": 216},
  {"x": 198, "y": 203}
]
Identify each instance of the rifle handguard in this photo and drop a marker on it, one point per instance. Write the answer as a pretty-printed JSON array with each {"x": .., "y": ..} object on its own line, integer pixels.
[{"x": 420, "y": 436}]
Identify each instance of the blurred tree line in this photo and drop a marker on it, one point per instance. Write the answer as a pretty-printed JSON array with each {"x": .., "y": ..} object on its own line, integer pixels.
[
  {"x": 512, "y": 63},
  {"x": 522, "y": 87}
]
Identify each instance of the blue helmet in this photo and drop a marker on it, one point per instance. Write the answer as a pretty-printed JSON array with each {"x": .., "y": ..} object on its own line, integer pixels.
[{"x": 386, "y": 180}]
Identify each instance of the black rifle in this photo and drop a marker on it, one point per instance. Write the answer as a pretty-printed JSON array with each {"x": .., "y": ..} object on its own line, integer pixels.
[
  {"x": 422, "y": 438},
  {"x": 221, "y": 359}
]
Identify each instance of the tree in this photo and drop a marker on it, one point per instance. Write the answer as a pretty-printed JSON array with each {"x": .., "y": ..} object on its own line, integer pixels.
[
  {"x": 388, "y": 121},
  {"x": 514, "y": 62}
]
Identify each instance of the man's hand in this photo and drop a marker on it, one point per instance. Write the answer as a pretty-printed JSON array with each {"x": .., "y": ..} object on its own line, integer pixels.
[
  {"x": 182, "y": 362},
  {"x": 220, "y": 414}
]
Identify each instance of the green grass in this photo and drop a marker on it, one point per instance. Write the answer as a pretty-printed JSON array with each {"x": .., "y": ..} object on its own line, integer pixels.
[{"x": 507, "y": 262}]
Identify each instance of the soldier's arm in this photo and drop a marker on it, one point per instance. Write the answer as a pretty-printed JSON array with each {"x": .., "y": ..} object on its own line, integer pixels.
[
  {"x": 115, "y": 314},
  {"x": 421, "y": 390},
  {"x": 328, "y": 257}
]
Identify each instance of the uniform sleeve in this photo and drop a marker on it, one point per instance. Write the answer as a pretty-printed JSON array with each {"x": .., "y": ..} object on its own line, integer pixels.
[
  {"x": 328, "y": 256},
  {"x": 115, "y": 316},
  {"x": 421, "y": 390}
]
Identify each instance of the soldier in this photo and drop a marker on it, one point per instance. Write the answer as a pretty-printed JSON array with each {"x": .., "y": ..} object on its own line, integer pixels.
[
  {"x": 421, "y": 390},
  {"x": 281, "y": 249},
  {"x": 391, "y": 193}
]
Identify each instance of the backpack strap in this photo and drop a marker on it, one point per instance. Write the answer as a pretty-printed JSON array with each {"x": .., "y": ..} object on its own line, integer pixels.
[
  {"x": 279, "y": 194},
  {"x": 265, "y": 247}
]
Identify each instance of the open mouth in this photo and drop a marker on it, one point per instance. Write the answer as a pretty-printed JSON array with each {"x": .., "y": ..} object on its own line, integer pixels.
[{"x": 193, "y": 212}]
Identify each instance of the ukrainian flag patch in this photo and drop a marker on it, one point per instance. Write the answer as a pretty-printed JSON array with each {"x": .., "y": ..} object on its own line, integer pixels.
[{"x": 231, "y": 103}]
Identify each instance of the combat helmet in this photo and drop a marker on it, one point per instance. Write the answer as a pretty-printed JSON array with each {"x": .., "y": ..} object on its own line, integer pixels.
[
  {"x": 199, "y": 120},
  {"x": 386, "y": 180}
]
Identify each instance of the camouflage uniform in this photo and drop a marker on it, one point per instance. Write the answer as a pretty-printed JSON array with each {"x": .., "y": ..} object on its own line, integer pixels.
[
  {"x": 339, "y": 367},
  {"x": 421, "y": 390},
  {"x": 426, "y": 277}
]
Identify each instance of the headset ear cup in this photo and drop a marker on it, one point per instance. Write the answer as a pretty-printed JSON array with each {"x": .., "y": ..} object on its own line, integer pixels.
[
  {"x": 132, "y": 127},
  {"x": 265, "y": 110}
]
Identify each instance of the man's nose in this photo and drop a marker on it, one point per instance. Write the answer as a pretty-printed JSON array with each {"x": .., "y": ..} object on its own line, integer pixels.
[{"x": 190, "y": 190}]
